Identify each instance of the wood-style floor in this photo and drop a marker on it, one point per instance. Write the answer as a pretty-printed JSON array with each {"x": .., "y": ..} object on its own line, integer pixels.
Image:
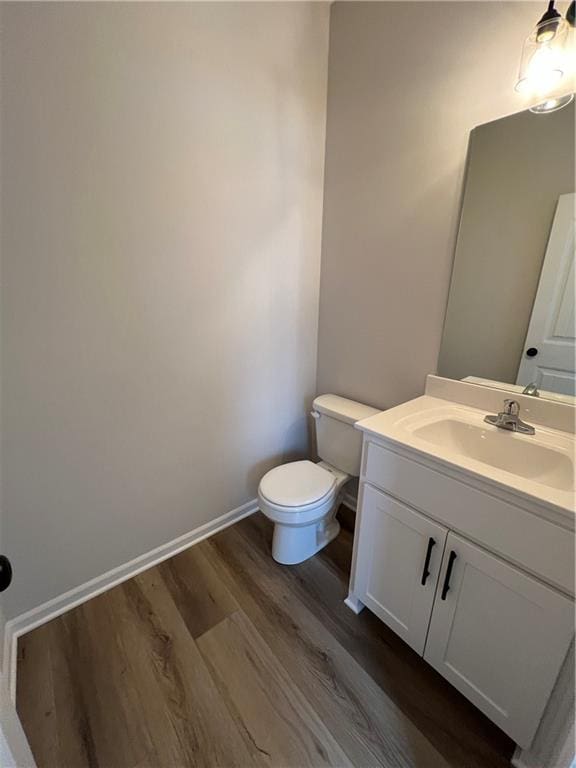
[{"x": 221, "y": 657}]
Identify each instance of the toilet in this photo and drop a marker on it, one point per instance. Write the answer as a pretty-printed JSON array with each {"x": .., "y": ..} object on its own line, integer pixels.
[{"x": 302, "y": 497}]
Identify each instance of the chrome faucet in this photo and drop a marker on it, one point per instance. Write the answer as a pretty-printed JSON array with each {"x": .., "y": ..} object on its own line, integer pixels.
[
  {"x": 509, "y": 419},
  {"x": 531, "y": 389}
]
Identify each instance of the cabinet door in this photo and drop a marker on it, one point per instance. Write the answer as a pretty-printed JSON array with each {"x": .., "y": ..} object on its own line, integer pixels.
[
  {"x": 498, "y": 635},
  {"x": 399, "y": 556}
]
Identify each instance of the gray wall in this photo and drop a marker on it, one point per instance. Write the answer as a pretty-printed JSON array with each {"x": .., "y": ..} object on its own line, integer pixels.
[
  {"x": 517, "y": 168},
  {"x": 162, "y": 169},
  {"x": 408, "y": 82}
]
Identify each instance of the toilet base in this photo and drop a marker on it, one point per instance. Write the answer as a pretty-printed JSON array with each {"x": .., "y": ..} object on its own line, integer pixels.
[{"x": 292, "y": 544}]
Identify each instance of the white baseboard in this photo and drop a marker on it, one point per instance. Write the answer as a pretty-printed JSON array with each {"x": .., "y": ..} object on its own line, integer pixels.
[
  {"x": 15, "y": 628},
  {"x": 350, "y": 501}
]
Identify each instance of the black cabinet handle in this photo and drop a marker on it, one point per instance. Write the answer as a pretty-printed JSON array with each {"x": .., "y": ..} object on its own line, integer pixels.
[
  {"x": 426, "y": 572},
  {"x": 531, "y": 352},
  {"x": 446, "y": 586}
]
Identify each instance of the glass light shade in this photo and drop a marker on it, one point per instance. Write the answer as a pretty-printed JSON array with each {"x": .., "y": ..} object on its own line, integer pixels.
[
  {"x": 551, "y": 105},
  {"x": 546, "y": 75}
]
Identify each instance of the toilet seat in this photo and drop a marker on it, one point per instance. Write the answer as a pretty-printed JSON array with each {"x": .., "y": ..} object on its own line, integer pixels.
[
  {"x": 297, "y": 515},
  {"x": 299, "y": 484}
]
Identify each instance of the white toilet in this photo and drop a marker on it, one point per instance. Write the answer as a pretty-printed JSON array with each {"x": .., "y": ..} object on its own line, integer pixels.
[{"x": 302, "y": 498}]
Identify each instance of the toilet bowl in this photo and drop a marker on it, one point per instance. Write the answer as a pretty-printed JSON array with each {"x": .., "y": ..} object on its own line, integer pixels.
[{"x": 301, "y": 498}]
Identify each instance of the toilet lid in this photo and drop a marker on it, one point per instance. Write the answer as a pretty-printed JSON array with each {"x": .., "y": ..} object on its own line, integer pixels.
[{"x": 297, "y": 484}]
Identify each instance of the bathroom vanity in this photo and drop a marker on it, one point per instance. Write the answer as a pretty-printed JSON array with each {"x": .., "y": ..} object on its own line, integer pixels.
[{"x": 464, "y": 543}]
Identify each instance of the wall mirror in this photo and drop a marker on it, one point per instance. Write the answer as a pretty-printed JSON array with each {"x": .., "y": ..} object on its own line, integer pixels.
[{"x": 510, "y": 315}]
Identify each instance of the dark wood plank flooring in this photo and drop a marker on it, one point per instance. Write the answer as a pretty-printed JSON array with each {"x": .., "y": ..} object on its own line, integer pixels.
[{"x": 221, "y": 657}]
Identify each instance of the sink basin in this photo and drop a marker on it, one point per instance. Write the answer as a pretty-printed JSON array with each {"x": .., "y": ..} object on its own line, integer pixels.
[{"x": 527, "y": 456}]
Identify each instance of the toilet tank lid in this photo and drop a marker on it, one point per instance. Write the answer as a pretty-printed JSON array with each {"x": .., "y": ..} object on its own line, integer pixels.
[{"x": 348, "y": 411}]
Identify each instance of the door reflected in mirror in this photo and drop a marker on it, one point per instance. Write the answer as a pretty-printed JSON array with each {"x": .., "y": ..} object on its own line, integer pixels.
[{"x": 510, "y": 319}]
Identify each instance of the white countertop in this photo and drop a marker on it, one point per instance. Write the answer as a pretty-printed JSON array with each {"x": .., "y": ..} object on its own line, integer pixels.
[{"x": 543, "y": 460}]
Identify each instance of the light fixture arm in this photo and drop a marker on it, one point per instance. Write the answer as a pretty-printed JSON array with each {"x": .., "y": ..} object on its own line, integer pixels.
[{"x": 551, "y": 13}]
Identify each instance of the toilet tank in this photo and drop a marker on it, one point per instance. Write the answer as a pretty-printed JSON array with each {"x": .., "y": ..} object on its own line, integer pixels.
[{"x": 338, "y": 442}]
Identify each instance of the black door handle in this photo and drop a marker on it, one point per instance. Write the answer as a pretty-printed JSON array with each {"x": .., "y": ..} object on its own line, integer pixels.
[
  {"x": 5, "y": 573},
  {"x": 531, "y": 352},
  {"x": 426, "y": 572},
  {"x": 446, "y": 586}
]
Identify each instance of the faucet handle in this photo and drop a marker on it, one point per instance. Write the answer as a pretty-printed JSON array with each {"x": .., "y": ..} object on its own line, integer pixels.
[{"x": 511, "y": 407}]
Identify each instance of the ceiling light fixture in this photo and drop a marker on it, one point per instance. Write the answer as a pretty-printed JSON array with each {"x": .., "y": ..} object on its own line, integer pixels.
[{"x": 545, "y": 67}]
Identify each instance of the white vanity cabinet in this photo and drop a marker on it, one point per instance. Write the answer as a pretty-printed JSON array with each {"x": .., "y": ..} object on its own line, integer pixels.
[
  {"x": 401, "y": 552},
  {"x": 496, "y": 631}
]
